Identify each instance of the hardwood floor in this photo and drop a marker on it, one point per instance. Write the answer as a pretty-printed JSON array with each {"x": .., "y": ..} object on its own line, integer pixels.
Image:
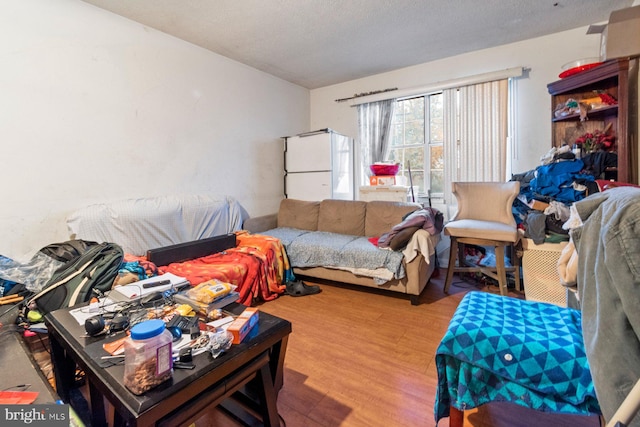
[
  {"x": 366, "y": 358},
  {"x": 359, "y": 357}
]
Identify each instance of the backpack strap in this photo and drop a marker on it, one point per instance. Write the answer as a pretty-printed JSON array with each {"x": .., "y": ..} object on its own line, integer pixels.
[{"x": 76, "y": 292}]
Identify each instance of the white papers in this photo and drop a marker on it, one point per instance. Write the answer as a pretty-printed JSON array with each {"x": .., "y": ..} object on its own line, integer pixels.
[
  {"x": 137, "y": 290},
  {"x": 124, "y": 294},
  {"x": 221, "y": 323},
  {"x": 105, "y": 305}
]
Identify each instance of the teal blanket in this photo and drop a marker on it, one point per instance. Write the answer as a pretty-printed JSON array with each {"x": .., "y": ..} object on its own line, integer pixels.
[{"x": 505, "y": 349}]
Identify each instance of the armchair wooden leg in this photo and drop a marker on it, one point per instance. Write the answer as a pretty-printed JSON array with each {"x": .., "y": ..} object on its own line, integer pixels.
[
  {"x": 453, "y": 253},
  {"x": 501, "y": 272},
  {"x": 456, "y": 417},
  {"x": 517, "y": 263},
  {"x": 462, "y": 253}
]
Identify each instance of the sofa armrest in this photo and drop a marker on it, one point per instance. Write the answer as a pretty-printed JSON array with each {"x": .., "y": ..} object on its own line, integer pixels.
[
  {"x": 420, "y": 262},
  {"x": 260, "y": 223},
  {"x": 421, "y": 243},
  {"x": 418, "y": 273}
]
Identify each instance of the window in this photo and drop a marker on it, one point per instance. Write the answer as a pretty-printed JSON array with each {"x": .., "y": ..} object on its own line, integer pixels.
[
  {"x": 417, "y": 135},
  {"x": 460, "y": 130}
]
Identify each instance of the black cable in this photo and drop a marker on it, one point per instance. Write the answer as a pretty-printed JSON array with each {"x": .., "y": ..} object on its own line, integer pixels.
[
  {"x": 22, "y": 386},
  {"x": 46, "y": 348}
]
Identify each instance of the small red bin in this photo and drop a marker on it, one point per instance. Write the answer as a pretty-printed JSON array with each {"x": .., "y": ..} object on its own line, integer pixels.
[{"x": 385, "y": 169}]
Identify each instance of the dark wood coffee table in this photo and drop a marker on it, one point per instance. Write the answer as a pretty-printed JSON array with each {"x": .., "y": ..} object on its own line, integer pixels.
[{"x": 251, "y": 371}]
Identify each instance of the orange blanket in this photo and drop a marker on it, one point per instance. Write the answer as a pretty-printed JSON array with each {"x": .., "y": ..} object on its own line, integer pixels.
[{"x": 258, "y": 266}]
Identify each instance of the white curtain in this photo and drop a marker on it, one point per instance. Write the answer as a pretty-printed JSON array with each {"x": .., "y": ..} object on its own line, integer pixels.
[
  {"x": 475, "y": 134},
  {"x": 374, "y": 127}
]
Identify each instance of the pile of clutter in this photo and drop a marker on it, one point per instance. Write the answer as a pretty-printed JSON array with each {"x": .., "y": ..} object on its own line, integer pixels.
[{"x": 547, "y": 192}]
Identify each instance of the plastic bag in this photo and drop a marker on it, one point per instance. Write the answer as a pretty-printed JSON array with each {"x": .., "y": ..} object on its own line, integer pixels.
[
  {"x": 34, "y": 274},
  {"x": 209, "y": 291},
  {"x": 558, "y": 210},
  {"x": 219, "y": 342}
]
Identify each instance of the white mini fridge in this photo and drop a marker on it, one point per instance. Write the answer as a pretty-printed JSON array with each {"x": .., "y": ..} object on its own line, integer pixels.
[{"x": 319, "y": 165}]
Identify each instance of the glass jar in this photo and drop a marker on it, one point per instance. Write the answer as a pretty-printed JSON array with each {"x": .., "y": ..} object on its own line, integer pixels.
[
  {"x": 577, "y": 151},
  {"x": 147, "y": 356}
]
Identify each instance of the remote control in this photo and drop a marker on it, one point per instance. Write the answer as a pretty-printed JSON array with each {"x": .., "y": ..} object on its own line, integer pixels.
[{"x": 154, "y": 284}]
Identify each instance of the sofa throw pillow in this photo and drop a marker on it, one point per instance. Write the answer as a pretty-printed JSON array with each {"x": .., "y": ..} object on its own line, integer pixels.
[
  {"x": 401, "y": 239},
  {"x": 342, "y": 217}
]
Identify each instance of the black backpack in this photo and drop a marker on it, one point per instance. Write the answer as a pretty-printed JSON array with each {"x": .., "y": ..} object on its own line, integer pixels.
[{"x": 86, "y": 275}]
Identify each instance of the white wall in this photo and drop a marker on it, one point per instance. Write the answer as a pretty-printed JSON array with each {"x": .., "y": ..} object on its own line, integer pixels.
[
  {"x": 544, "y": 57},
  {"x": 94, "y": 107}
]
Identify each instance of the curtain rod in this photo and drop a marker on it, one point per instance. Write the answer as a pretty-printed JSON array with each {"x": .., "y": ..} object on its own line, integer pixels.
[
  {"x": 448, "y": 84},
  {"x": 360, "y": 95}
]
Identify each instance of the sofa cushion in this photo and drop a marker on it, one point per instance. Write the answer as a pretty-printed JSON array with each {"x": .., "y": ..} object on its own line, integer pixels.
[
  {"x": 337, "y": 250},
  {"x": 298, "y": 214},
  {"x": 342, "y": 217},
  {"x": 381, "y": 216}
]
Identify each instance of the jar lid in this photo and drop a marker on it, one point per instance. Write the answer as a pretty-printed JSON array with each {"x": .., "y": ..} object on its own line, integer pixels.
[{"x": 147, "y": 329}]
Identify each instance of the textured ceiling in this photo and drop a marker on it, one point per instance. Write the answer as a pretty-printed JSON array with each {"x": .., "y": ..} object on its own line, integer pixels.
[{"x": 316, "y": 43}]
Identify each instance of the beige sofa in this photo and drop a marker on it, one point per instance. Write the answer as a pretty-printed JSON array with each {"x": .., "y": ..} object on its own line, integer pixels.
[{"x": 352, "y": 218}]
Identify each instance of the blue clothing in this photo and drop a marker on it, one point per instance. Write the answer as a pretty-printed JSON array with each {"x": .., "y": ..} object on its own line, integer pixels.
[
  {"x": 608, "y": 279},
  {"x": 134, "y": 267},
  {"x": 556, "y": 180}
]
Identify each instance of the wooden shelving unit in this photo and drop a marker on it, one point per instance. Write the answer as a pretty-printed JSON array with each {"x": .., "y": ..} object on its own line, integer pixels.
[{"x": 617, "y": 78}]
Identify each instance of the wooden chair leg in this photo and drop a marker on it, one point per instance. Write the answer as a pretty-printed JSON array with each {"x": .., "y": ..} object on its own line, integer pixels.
[
  {"x": 456, "y": 417},
  {"x": 516, "y": 261},
  {"x": 462, "y": 248},
  {"x": 501, "y": 272},
  {"x": 453, "y": 253}
]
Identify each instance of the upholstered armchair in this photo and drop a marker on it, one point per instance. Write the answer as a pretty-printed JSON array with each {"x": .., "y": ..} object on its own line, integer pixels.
[{"x": 484, "y": 218}]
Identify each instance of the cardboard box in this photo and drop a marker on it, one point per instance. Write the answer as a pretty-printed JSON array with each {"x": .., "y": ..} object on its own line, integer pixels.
[
  {"x": 241, "y": 326},
  {"x": 382, "y": 180},
  {"x": 538, "y": 205},
  {"x": 37, "y": 342},
  {"x": 214, "y": 325},
  {"x": 619, "y": 37},
  {"x": 621, "y": 34}
]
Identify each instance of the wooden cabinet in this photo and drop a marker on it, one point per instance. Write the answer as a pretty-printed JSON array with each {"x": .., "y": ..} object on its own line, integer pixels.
[{"x": 617, "y": 78}]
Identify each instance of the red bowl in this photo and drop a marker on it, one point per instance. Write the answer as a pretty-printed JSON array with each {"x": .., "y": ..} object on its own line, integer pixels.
[
  {"x": 385, "y": 169},
  {"x": 578, "y": 69}
]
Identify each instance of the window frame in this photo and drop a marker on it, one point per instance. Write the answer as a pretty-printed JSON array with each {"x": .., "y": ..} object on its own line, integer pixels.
[{"x": 427, "y": 144}]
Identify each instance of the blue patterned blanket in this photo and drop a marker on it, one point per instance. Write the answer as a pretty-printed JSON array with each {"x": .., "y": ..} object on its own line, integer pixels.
[
  {"x": 505, "y": 349},
  {"x": 320, "y": 248}
]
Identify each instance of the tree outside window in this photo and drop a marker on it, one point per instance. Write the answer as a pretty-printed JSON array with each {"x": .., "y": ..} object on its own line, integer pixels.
[{"x": 417, "y": 142}]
